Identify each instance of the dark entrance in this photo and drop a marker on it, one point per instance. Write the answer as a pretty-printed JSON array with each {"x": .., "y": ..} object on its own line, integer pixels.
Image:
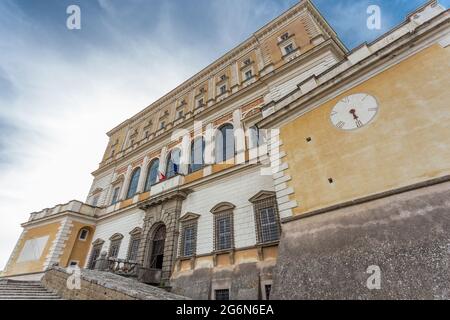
[{"x": 157, "y": 247}]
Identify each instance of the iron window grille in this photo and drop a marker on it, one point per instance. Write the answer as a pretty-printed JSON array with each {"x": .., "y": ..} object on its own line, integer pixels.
[
  {"x": 223, "y": 230},
  {"x": 96, "y": 250},
  {"x": 188, "y": 239},
  {"x": 267, "y": 219},
  {"x": 222, "y": 294}
]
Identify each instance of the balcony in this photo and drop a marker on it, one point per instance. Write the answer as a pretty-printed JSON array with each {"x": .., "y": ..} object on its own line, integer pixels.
[{"x": 73, "y": 206}]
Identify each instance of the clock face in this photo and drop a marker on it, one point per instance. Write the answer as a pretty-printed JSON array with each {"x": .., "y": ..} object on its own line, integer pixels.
[{"x": 354, "y": 111}]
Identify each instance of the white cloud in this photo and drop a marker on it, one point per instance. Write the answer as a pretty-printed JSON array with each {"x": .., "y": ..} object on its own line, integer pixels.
[{"x": 66, "y": 98}]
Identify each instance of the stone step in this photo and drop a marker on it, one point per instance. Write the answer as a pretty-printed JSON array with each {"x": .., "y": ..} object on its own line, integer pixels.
[
  {"x": 31, "y": 298},
  {"x": 25, "y": 290},
  {"x": 18, "y": 293}
]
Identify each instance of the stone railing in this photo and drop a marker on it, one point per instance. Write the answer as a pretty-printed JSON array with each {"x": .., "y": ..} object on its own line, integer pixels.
[
  {"x": 72, "y": 206},
  {"x": 123, "y": 267}
]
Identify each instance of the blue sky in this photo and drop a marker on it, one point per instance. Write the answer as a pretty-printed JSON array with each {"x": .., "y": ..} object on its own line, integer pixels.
[{"x": 61, "y": 90}]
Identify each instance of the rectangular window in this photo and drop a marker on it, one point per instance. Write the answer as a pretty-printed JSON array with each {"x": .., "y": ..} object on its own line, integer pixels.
[
  {"x": 222, "y": 294},
  {"x": 200, "y": 103},
  {"x": 83, "y": 234},
  {"x": 289, "y": 48},
  {"x": 95, "y": 201},
  {"x": 189, "y": 235},
  {"x": 248, "y": 75},
  {"x": 115, "y": 196},
  {"x": 180, "y": 114},
  {"x": 134, "y": 247},
  {"x": 268, "y": 225},
  {"x": 223, "y": 89},
  {"x": 94, "y": 256},
  {"x": 162, "y": 125},
  {"x": 114, "y": 248},
  {"x": 224, "y": 231}
]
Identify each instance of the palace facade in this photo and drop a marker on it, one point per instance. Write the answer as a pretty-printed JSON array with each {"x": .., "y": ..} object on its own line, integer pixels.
[{"x": 284, "y": 169}]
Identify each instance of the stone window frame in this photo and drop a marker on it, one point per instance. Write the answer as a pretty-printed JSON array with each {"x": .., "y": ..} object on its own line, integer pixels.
[
  {"x": 221, "y": 210},
  {"x": 263, "y": 200},
  {"x": 186, "y": 221},
  {"x": 97, "y": 244},
  {"x": 117, "y": 183},
  {"x": 81, "y": 232},
  {"x": 115, "y": 240},
  {"x": 135, "y": 235}
]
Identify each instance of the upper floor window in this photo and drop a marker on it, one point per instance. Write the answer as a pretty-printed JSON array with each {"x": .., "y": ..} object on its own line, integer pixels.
[
  {"x": 179, "y": 114},
  {"x": 115, "y": 196},
  {"x": 162, "y": 125},
  {"x": 173, "y": 163},
  {"x": 132, "y": 188},
  {"x": 152, "y": 174},
  {"x": 197, "y": 154},
  {"x": 256, "y": 137},
  {"x": 248, "y": 75},
  {"x": 223, "y": 89},
  {"x": 95, "y": 200},
  {"x": 266, "y": 216},
  {"x": 289, "y": 48},
  {"x": 225, "y": 143},
  {"x": 223, "y": 77},
  {"x": 247, "y": 62},
  {"x": 284, "y": 36},
  {"x": 200, "y": 103}
]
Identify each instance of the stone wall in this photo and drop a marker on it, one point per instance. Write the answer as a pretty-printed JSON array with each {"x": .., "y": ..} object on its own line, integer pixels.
[
  {"x": 97, "y": 285},
  {"x": 244, "y": 281},
  {"x": 407, "y": 235}
]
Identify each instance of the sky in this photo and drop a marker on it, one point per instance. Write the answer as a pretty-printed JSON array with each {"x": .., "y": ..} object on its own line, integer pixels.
[{"x": 61, "y": 90}]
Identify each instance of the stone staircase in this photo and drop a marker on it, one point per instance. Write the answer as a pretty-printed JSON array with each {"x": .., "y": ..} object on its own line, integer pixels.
[{"x": 25, "y": 290}]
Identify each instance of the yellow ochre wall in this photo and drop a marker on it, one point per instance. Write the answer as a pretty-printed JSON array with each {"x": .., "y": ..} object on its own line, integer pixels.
[
  {"x": 76, "y": 249},
  {"x": 37, "y": 265},
  {"x": 407, "y": 142}
]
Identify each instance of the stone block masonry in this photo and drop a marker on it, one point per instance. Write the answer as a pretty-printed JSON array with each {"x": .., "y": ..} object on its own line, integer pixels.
[{"x": 97, "y": 285}]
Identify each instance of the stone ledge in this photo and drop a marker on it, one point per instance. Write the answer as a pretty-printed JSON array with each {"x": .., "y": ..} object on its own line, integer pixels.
[{"x": 98, "y": 285}]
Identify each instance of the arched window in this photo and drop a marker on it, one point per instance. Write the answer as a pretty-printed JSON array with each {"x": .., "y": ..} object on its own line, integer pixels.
[
  {"x": 225, "y": 143},
  {"x": 152, "y": 174},
  {"x": 197, "y": 154},
  {"x": 173, "y": 163},
  {"x": 253, "y": 137},
  {"x": 133, "y": 183}
]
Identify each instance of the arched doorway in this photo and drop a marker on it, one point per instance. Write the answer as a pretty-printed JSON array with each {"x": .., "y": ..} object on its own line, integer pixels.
[{"x": 156, "y": 256}]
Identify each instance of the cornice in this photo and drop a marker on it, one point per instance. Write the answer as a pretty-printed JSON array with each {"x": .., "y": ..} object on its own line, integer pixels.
[{"x": 327, "y": 45}]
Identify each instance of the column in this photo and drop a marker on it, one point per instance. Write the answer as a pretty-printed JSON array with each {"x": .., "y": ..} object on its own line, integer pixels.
[
  {"x": 143, "y": 175},
  {"x": 239, "y": 137},
  {"x": 123, "y": 192}
]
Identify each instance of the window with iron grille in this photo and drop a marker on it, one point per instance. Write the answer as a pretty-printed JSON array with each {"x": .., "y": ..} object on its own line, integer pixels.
[
  {"x": 188, "y": 239},
  {"x": 268, "y": 289},
  {"x": 133, "y": 249},
  {"x": 267, "y": 219},
  {"x": 114, "y": 248},
  {"x": 222, "y": 294},
  {"x": 95, "y": 253},
  {"x": 223, "y": 230}
]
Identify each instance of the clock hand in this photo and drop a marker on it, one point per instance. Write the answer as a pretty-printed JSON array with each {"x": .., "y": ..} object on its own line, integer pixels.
[
  {"x": 353, "y": 112},
  {"x": 358, "y": 122}
]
